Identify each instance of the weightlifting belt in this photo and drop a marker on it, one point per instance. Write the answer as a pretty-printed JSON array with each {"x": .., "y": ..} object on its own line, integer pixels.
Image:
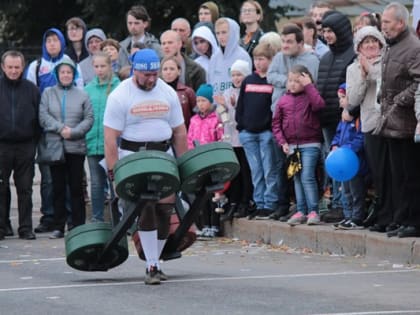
[{"x": 137, "y": 146}]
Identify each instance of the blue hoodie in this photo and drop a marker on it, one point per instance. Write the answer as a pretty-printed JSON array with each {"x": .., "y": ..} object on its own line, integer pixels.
[
  {"x": 349, "y": 134},
  {"x": 45, "y": 76}
]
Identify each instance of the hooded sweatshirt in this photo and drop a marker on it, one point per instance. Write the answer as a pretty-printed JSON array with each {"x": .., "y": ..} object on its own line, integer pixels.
[
  {"x": 333, "y": 65},
  {"x": 364, "y": 91},
  {"x": 218, "y": 74},
  {"x": 71, "y": 52},
  {"x": 205, "y": 33},
  {"x": 45, "y": 76},
  {"x": 86, "y": 65}
]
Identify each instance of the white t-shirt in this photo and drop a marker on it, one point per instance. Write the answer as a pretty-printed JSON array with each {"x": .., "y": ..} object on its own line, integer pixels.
[{"x": 143, "y": 116}]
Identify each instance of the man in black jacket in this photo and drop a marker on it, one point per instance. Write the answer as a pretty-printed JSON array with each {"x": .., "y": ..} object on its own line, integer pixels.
[
  {"x": 338, "y": 34},
  {"x": 19, "y": 132}
]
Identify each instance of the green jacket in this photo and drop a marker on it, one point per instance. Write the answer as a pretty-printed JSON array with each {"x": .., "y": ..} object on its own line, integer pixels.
[{"x": 98, "y": 95}]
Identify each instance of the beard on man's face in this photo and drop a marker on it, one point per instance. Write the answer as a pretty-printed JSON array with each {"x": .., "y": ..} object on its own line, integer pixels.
[{"x": 144, "y": 86}]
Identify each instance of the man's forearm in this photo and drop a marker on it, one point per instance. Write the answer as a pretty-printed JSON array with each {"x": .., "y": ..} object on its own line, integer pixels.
[
  {"x": 111, "y": 149},
  {"x": 180, "y": 140}
]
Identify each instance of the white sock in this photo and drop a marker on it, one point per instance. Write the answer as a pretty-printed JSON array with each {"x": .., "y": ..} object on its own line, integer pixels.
[
  {"x": 149, "y": 243},
  {"x": 161, "y": 245}
]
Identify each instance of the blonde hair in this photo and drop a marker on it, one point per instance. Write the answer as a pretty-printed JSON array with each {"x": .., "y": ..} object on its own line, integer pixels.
[
  {"x": 102, "y": 54},
  {"x": 273, "y": 39},
  {"x": 220, "y": 21},
  {"x": 264, "y": 50}
]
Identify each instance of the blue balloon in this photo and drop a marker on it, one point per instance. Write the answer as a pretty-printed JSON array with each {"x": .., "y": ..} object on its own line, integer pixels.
[{"x": 342, "y": 164}]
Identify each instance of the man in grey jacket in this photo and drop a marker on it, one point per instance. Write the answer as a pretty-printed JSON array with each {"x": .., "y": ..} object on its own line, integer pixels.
[
  {"x": 138, "y": 21},
  {"x": 292, "y": 53}
]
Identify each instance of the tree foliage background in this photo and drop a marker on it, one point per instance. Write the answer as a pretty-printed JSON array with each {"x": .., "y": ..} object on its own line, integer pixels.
[{"x": 22, "y": 22}]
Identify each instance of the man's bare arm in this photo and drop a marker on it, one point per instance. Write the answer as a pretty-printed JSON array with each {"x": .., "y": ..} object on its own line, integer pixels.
[
  {"x": 179, "y": 137},
  {"x": 111, "y": 148}
]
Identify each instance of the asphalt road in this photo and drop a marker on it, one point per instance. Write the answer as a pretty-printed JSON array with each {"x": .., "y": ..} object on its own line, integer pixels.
[
  {"x": 214, "y": 277},
  {"x": 223, "y": 276}
]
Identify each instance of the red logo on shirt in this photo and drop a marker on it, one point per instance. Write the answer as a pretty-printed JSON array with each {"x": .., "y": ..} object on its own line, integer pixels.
[
  {"x": 150, "y": 109},
  {"x": 259, "y": 88}
]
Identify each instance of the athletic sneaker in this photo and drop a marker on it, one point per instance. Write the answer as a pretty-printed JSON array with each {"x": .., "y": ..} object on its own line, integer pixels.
[
  {"x": 263, "y": 214},
  {"x": 152, "y": 276},
  {"x": 313, "y": 218},
  {"x": 338, "y": 224},
  {"x": 203, "y": 231},
  {"x": 162, "y": 275},
  {"x": 297, "y": 218},
  {"x": 351, "y": 225}
]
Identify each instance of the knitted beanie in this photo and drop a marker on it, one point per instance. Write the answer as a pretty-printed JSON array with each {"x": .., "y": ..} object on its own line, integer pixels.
[
  {"x": 241, "y": 66},
  {"x": 205, "y": 90}
]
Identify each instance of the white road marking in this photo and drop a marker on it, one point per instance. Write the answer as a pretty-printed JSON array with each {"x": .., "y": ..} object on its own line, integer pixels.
[
  {"x": 19, "y": 261},
  {"x": 286, "y": 276},
  {"x": 375, "y": 313}
]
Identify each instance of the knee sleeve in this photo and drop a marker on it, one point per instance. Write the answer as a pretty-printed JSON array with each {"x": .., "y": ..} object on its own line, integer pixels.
[{"x": 163, "y": 214}]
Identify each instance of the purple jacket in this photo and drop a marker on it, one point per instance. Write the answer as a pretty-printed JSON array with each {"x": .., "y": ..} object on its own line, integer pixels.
[{"x": 296, "y": 118}]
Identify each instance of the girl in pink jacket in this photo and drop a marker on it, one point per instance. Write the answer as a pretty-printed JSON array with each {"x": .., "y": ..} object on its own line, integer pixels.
[{"x": 205, "y": 127}]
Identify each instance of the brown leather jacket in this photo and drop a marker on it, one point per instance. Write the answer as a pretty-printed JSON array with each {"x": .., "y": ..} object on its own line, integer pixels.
[
  {"x": 400, "y": 78},
  {"x": 187, "y": 99}
]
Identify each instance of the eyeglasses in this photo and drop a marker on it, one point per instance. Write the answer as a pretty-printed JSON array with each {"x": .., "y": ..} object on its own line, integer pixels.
[{"x": 248, "y": 10}]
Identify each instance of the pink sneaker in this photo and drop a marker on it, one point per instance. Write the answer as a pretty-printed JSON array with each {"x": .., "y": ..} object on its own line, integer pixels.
[
  {"x": 297, "y": 218},
  {"x": 313, "y": 218}
]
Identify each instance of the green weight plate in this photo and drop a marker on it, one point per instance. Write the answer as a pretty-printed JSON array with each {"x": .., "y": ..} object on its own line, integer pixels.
[
  {"x": 208, "y": 164},
  {"x": 85, "y": 243},
  {"x": 146, "y": 172}
]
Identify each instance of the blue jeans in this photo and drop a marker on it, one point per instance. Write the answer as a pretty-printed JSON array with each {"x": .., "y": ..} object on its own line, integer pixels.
[
  {"x": 259, "y": 150},
  {"x": 97, "y": 187},
  {"x": 306, "y": 186},
  {"x": 355, "y": 193}
]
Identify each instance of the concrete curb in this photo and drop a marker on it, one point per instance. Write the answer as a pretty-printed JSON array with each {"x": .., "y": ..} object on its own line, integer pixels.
[{"x": 324, "y": 239}]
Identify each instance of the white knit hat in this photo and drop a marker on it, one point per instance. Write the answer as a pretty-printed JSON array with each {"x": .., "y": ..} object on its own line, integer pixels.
[
  {"x": 366, "y": 31},
  {"x": 241, "y": 66}
]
